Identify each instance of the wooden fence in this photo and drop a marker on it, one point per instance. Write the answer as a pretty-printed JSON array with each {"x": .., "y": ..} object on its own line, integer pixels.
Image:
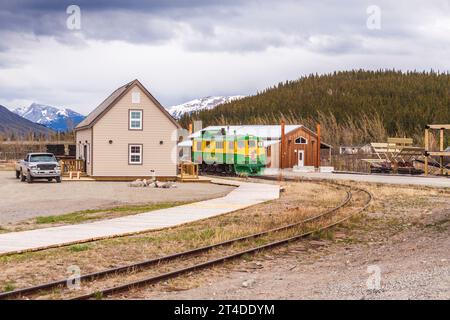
[
  {"x": 68, "y": 165},
  {"x": 350, "y": 162}
]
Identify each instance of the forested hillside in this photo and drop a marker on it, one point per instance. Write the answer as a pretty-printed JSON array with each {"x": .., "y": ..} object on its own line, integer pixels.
[{"x": 353, "y": 106}]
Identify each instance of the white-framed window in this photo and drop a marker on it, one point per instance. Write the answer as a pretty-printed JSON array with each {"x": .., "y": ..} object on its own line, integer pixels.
[
  {"x": 135, "y": 120},
  {"x": 135, "y": 154},
  {"x": 301, "y": 140},
  {"x": 136, "y": 97}
]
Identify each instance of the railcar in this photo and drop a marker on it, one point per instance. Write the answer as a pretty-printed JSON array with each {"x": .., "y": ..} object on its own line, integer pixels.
[{"x": 228, "y": 154}]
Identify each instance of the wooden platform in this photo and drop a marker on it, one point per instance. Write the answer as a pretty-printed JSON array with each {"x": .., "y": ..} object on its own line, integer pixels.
[
  {"x": 82, "y": 178},
  {"x": 245, "y": 195},
  {"x": 200, "y": 179}
]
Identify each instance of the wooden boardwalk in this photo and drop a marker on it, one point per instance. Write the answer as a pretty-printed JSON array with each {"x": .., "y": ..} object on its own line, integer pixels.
[{"x": 245, "y": 195}]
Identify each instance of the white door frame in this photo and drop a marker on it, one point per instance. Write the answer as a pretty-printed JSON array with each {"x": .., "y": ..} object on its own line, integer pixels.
[{"x": 301, "y": 158}]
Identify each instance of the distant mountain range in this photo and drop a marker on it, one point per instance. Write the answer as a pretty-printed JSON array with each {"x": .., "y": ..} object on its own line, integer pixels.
[
  {"x": 195, "y": 105},
  {"x": 14, "y": 125},
  {"x": 39, "y": 118},
  {"x": 58, "y": 119}
]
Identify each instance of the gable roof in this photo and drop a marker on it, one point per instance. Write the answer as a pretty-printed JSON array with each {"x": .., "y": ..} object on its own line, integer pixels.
[{"x": 111, "y": 100}]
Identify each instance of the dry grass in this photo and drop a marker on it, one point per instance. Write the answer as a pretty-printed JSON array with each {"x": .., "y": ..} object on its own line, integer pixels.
[
  {"x": 394, "y": 209},
  {"x": 298, "y": 201},
  {"x": 87, "y": 216}
]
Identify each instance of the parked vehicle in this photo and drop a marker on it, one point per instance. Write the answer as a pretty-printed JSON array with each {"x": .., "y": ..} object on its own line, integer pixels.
[{"x": 38, "y": 166}]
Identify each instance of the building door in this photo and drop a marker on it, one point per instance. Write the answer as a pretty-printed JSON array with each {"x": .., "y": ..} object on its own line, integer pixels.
[
  {"x": 301, "y": 158},
  {"x": 85, "y": 156}
]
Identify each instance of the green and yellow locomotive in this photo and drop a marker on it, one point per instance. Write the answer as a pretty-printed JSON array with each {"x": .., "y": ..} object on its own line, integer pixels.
[{"x": 221, "y": 153}]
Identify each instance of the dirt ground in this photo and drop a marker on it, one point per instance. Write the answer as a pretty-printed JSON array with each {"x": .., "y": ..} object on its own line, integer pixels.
[
  {"x": 414, "y": 268},
  {"x": 21, "y": 201},
  {"x": 405, "y": 234},
  {"x": 406, "y": 239},
  {"x": 297, "y": 202}
]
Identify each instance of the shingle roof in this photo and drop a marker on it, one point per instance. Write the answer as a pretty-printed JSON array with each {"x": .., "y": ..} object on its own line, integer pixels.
[{"x": 103, "y": 107}]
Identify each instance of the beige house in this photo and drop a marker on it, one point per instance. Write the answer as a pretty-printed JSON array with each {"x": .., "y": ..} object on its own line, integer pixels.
[{"x": 128, "y": 135}]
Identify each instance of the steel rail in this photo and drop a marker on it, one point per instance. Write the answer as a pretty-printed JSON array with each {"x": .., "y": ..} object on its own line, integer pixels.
[
  {"x": 175, "y": 273},
  {"x": 155, "y": 261}
]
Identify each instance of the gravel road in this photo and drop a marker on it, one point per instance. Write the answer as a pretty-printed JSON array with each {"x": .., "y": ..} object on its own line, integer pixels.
[
  {"x": 437, "y": 182},
  {"x": 21, "y": 201}
]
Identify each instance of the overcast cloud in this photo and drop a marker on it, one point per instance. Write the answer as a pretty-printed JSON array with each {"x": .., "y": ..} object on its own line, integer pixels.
[{"x": 183, "y": 50}]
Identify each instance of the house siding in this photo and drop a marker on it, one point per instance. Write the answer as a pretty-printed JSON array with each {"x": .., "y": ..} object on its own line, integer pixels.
[
  {"x": 111, "y": 159},
  {"x": 84, "y": 137},
  {"x": 274, "y": 156},
  {"x": 290, "y": 149}
]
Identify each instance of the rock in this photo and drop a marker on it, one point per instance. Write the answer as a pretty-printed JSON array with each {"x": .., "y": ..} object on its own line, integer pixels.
[
  {"x": 248, "y": 283},
  {"x": 256, "y": 265},
  {"x": 166, "y": 185},
  {"x": 136, "y": 184}
]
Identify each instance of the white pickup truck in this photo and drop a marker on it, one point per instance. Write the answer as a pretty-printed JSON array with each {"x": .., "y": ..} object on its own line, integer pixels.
[{"x": 38, "y": 166}]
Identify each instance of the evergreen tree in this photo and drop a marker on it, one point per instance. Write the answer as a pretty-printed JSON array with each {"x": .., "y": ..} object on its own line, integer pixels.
[{"x": 355, "y": 106}]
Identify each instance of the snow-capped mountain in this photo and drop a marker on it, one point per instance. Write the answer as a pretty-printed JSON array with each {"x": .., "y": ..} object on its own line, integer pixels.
[
  {"x": 59, "y": 119},
  {"x": 13, "y": 125},
  {"x": 200, "y": 104}
]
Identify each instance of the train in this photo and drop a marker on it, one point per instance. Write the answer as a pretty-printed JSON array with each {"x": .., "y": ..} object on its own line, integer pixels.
[{"x": 229, "y": 154}]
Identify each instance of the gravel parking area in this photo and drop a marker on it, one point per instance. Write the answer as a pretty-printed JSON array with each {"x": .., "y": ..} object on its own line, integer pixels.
[{"x": 21, "y": 201}]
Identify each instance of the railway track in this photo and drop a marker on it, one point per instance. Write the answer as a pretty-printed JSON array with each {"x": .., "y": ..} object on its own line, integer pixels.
[{"x": 323, "y": 217}]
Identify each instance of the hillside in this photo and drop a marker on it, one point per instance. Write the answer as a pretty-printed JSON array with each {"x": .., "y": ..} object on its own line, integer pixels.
[
  {"x": 352, "y": 106},
  {"x": 14, "y": 125}
]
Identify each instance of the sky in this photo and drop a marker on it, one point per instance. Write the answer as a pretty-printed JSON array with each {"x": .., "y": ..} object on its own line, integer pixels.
[{"x": 57, "y": 54}]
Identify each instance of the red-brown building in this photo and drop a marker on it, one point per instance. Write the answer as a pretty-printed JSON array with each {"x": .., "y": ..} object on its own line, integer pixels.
[{"x": 297, "y": 147}]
